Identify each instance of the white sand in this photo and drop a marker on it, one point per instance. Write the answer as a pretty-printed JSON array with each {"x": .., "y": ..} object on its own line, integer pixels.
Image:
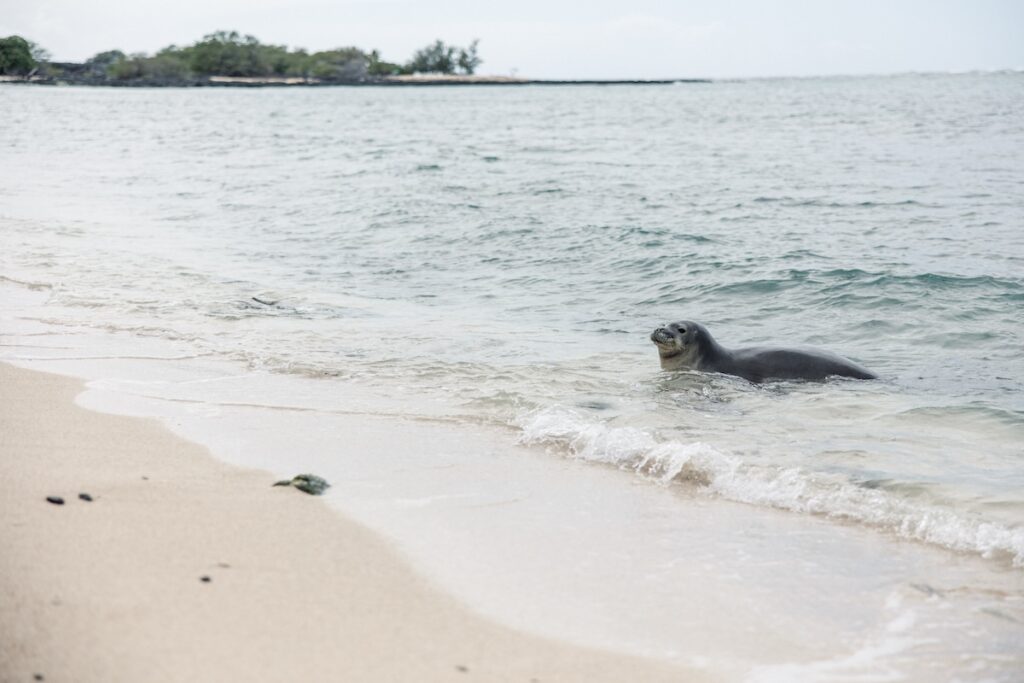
[{"x": 111, "y": 591}]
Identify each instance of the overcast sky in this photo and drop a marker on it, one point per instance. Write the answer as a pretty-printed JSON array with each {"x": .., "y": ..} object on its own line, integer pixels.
[{"x": 568, "y": 39}]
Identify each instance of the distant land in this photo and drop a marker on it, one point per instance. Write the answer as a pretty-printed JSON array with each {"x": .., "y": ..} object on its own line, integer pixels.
[{"x": 228, "y": 59}]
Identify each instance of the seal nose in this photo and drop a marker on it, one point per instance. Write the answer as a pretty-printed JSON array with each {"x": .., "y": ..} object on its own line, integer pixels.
[{"x": 661, "y": 334}]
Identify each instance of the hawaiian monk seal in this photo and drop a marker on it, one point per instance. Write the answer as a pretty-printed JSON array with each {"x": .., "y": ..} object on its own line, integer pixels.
[{"x": 689, "y": 345}]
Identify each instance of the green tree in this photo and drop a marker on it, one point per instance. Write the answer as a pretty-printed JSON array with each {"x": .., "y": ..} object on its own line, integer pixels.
[
  {"x": 168, "y": 64},
  {"x": 434, "y": 58},
  {"x": 226, "y": 53},
  {"x": 285, "y": 63},
  {"x": 163, "y": 66},
  {"x": 343, "y": 64},
  {"x": 127, "y": 67},
  {"x": 100, "y": 63},
  {"x": 468, "y": 59},
  {"x": 16, "y": 58},
  {"x": 445, "y": 59},
  {"x": 379, "y": 67}
]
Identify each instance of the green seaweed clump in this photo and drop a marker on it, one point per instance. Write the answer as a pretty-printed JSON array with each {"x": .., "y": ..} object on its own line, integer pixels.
[{"x": 307, "y": 483}]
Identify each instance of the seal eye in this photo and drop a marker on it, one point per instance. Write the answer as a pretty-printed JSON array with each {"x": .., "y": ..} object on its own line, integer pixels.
[{"x": 682, "y": 330}]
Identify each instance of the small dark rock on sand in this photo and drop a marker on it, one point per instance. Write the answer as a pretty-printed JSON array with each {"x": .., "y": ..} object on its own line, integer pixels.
[
  {"x": 205, "y": 579},
  {"x": 56, "y": 500},
  {"x": 86, "y": 497}
]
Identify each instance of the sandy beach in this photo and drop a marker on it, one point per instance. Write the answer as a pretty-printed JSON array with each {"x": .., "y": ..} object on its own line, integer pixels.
[{"x": 112, "y": 589}]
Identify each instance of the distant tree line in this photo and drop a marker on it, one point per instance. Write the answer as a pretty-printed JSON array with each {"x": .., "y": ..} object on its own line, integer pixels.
[{"x": 227, "y": 53}]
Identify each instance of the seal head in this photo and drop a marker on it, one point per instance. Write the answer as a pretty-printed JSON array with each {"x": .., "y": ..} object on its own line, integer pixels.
[{"x": 682, "y": 345}]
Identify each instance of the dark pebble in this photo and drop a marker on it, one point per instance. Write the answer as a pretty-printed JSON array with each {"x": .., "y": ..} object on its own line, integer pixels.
[
  {"x": 86, "y": 497},
  {"x": 205, "y": 579},
  {"x": 56, "y": 500},
  {"x": 37, "y": 677},
  {"x": 145, "y": 478},
  {"x": 460, "y": 667}
]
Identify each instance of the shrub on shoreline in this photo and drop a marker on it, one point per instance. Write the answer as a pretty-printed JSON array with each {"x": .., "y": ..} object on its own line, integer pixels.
[{"x": 228, "y": 53}]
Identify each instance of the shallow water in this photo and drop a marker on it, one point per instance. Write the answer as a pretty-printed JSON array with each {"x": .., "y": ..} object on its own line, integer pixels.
[{"x": 493, "y": 259}]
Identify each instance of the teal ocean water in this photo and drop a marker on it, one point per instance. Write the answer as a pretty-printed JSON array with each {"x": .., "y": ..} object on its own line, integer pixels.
[
  {"x": 494, "y": 259},
  {"x": 506, "y": 251}
]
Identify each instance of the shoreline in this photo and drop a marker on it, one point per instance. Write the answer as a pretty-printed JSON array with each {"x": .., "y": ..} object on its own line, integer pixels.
[
  {"x": 295, "y": 82},
  {"x": 111, "y": 589},
  {"x": 516, "y": 537}
]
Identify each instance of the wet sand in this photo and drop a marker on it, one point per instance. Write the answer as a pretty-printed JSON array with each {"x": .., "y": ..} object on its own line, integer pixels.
[{"x": 113, "y": 589}]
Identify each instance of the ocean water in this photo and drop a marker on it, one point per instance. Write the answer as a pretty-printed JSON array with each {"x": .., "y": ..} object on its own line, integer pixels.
[{"x": 493, "y": 260}]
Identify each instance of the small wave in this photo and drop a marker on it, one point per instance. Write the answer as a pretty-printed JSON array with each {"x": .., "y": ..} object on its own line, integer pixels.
[
  {"x": 929, "y": 280},
  {"x": 821, "y": 203},
  {"x": 787, "y": 488},
  {"x": 766, "y": 199},
  {"x": 801, "y": 254},
  {"x": 789, "y": 201},
  {"x": 762, "y": 286},
  {"x": 34, "y": 286},
  {"x": 630, "y": 233}
]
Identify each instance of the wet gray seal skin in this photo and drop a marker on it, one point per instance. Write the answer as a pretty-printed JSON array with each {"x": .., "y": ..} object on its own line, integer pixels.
[{"x": 688, "y": 345}]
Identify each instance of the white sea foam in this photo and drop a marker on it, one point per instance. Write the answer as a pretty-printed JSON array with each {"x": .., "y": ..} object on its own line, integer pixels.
[{"x": 788, "y": 488}]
